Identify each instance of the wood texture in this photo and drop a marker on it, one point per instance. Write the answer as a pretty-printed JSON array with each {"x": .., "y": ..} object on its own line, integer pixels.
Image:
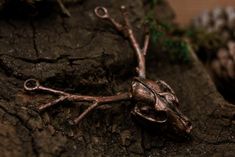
[{"x": 83, "y": 54}]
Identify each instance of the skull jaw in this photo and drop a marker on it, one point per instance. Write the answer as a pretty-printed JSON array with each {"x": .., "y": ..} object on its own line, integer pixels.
[
  {"x": 150, "y": 114},
  {"x": 174, "y": 123},
  {"x": 148, "y": 120}
]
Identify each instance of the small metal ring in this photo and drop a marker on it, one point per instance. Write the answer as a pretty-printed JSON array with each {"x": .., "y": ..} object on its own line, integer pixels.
[
  {"x": 34, "y": 82},
  {"x": 104, "y": 13}
]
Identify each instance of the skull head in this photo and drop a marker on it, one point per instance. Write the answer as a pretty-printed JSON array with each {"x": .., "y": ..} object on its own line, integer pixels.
[{"x": 157, "y": 104}]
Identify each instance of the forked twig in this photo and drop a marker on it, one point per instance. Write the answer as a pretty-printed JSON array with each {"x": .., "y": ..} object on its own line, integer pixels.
[
  {"x": 32, "y": 85},
  {"x": 126, "y": 29},
  {"x": 164, "y": 99},
  {"x": 159, "y": 102}
]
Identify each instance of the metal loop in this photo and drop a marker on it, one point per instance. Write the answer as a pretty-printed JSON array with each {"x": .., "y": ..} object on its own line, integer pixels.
[
  {"x": 31, "y": 84},
  {"x": 102, "y": 12}
]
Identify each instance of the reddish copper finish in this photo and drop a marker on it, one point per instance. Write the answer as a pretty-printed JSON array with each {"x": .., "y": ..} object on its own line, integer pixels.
[
  {"x": 159, "y": 103},
  {"x": 126, "y": 29},
  {"x": 32, "y": 84}
]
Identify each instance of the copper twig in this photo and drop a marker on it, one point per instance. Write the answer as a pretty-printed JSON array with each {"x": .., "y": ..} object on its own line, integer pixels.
[
  {"x": 158, "y": 102},
  {"x": 32, "y": 84},
  {"x": 146, "y": 44},
  {"x": 164, "y": 103},
  {"x": 126, "y": 29}
]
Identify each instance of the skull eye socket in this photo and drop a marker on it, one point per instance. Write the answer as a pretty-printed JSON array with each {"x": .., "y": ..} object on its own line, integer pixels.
[
  {"x": 161, "y": 116},
  {"x": 145, "y": 109},
  {"x": 151, "y": 114}
]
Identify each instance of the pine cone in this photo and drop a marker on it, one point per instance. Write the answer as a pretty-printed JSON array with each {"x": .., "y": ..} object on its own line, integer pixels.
[
  {"x": 222, "y": 69},
  {"x": 223, "y": 65},
  {"x": 215, "y": 43},
  {"x": 219, "y": 20}
]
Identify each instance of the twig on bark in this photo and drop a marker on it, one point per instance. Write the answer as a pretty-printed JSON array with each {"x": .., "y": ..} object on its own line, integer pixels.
[
  {"x": 32, "y": 85},
  {"x": 160, "y": 102},
  {"x": 127, "y": 31},
  {"x": 162, "y": 97}
]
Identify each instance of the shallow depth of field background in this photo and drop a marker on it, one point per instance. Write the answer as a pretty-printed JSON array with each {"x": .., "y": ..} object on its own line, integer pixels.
[{"x": 186, "y": 9}]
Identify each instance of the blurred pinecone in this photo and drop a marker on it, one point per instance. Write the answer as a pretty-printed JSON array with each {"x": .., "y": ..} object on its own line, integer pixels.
[
  {"x": 223, "y": 65},
  {"x": 219, "y": 20},
  {"x": 215, "y": 42},
  {"x": 222, "y": 70}
]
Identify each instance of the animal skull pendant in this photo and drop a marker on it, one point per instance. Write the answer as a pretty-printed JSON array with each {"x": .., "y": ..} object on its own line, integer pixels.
[{"x": 157, "y": 104}]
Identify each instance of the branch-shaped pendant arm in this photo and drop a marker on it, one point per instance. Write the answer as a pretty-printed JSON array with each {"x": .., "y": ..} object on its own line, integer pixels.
[
  {"x": 158, "y": 93},
  {"x": 101, "y": 12},
  {"x": 126, "y": 29},
  {"x": 159, "y": 103},
  {"x": 32, "y": 85}
]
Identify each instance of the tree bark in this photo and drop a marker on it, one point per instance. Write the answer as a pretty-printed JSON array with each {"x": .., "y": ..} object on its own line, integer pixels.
[{"x": 86, "y": 55}]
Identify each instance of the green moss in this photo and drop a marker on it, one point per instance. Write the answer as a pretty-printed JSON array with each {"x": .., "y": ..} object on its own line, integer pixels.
[
  {"x": 177, "y": 49},
  {"x": 162, "y": 35}
]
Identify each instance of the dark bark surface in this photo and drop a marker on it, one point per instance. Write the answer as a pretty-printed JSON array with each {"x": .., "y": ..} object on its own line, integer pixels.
[{"x": 85, "y": 55}]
